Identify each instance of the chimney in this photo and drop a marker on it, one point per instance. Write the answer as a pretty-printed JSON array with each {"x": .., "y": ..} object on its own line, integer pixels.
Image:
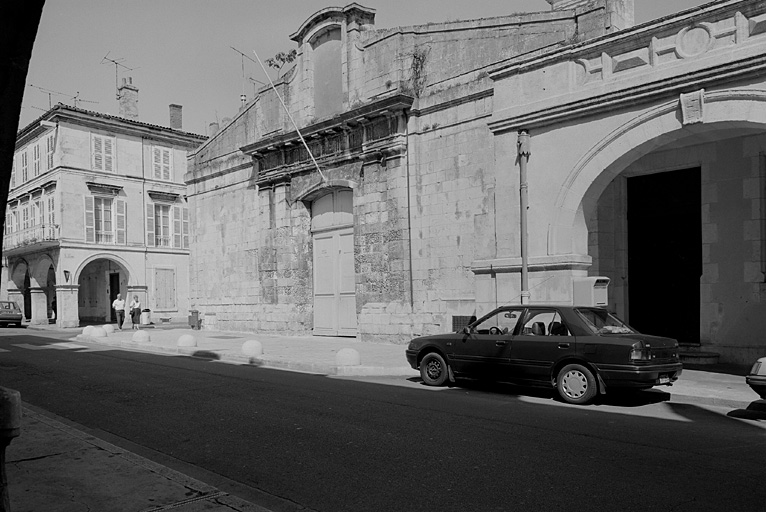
[
  {"x": 176, "y": 118},
  {"x": 212, "y": 129},
  {"x": 128, "y": 94}
]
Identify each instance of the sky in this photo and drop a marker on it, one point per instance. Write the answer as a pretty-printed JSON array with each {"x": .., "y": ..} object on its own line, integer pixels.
[{"x": 180, "y": 51}]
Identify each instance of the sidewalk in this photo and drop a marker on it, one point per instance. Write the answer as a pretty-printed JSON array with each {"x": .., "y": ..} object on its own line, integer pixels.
[
  {"x": 715, "y": 385},
  {"x": 53, "y": 462},
  {"x": 53, "y": 466}
]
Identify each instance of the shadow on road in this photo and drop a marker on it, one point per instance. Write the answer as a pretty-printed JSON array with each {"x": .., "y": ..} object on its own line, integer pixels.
[{"x": 616, "y": 398}]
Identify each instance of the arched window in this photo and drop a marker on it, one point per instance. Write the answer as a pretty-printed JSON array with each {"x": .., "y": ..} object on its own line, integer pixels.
[{"x": 328, "y": 73}]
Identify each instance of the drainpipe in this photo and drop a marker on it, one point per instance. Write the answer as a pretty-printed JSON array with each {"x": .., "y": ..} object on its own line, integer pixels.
[{"x": 523, "y": 154}]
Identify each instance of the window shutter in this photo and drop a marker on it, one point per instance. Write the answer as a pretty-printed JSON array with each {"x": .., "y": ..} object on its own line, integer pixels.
[
  {"x": 40, "y": 212},
  {"x": 90, "y": 224},
  {"x": 51, "y": 209},
  {"x": 157, "y": 162},
  {"x": 36, "y": 158},
  {"x": 186, "y": 228},
  {"x": 50, "y": 148},
  {"x": 177, "y": 227},
  {"x": 119, "y": 208},
  {"x": 98, "y": 153},
  {"x": 166, "y": 164},
  {"x": 108, "y": 154},
  {"x": 150, "y": 225}
]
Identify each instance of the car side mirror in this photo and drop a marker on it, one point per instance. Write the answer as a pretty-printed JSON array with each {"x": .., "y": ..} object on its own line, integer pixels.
[{"x": 466, "y": 330}]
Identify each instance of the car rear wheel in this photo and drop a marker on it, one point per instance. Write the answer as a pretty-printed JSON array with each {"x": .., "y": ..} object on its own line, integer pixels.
[
  {"x": 433, "y": 369},
  {"x": 576, "y": 384}
]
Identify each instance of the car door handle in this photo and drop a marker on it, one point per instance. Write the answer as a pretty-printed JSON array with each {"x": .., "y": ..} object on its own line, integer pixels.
[
  {"x": 563, "y": 345},
  {"x": 501, "y": 343}
]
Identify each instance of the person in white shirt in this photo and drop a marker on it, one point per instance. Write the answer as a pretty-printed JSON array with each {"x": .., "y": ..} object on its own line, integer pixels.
[{"x": 119, "y": 309}]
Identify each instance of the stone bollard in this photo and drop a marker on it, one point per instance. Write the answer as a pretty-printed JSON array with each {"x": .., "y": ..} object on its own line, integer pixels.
[
  {"x": 252, "y": 348},
  {"x": 186, "y": 340},
  {"x": 348, "y": 357},
  {"x": 10, "y": 427}
]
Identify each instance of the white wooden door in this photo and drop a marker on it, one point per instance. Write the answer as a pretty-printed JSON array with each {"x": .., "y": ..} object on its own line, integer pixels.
[
  {"x": 334, "y": 283},
  {"x": 334, "y": 274}
]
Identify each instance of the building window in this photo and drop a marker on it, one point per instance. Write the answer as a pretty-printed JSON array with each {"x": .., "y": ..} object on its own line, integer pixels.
[
  {"x": 162, "y": 235},
  {"x": 162, "y": 163},
  {"x": 25, "y": 217},
  {"x": 36, "y": 159},
  {"x": 161, "y": 232},
  {"x": 50, "y": 145},
  {"x": 38, "y": 215},
  {"x": 24, "y": 167},
  {"x": 103, "y": 153},
  {"x": 327, "y": 65},
  {"x": 104, "y": 220},
  {"x": 164, "y": 288},
  {"x": 9, "y": 223},
  {"x": 51, "y": 200},
  {"x": 13, "y": 173}
]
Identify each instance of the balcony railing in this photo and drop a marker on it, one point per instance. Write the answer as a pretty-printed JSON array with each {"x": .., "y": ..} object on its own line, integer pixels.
[{"x": 29, "y": 236}]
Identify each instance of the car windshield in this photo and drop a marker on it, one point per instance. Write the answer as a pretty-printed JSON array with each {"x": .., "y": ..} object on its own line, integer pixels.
[{"x": 601, "y": 321}]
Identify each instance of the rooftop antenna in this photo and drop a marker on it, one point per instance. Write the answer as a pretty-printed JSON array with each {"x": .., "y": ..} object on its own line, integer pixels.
[
  {"x": 244, "y": 56},
  {"x": 290, "y": 116},
  {"x": 50, "y": 93},
  {"x": 117, "y": 64}
]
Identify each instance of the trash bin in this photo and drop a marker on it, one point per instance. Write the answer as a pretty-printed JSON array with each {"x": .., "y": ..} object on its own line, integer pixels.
[
  {"x": 194, "y": 318},
  {"x": 146, "y": 316}
]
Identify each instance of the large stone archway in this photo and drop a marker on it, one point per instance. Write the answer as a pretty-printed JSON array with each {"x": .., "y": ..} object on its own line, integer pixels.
[
  {"x": 726, "y": 146},
  {"x": 656, "y": 128},
  {"x": 98, "y": 280}
]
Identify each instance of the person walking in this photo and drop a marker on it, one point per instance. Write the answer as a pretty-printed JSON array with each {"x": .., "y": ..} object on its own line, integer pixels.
[
  {"x": 135, "y": 312},
  {"x": 119, "y": 309}
]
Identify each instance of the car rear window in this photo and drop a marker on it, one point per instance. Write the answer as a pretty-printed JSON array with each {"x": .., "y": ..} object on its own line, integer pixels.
[{"x": 601, "y": 321}]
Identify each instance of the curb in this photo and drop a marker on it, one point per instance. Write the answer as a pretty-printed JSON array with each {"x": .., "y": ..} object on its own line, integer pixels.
[
  {"x": 229, "y": 357},
  {"x": 346, "y": 371}
]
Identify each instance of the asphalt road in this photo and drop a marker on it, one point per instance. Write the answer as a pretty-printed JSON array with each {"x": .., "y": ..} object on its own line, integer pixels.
[{"x": 291, "y": 441}]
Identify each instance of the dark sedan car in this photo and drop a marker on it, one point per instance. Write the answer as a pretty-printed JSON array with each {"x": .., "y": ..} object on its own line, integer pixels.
[
  {"x": 756, "y": 379},
  {"x": 578, "y": 350},
  {"x": 10, "y": 313}
]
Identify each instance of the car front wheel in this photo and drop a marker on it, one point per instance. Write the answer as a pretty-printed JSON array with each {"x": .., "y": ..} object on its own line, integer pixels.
[
  {"x": 576, "y": 384},
  {"x": 433, "y": 369}
]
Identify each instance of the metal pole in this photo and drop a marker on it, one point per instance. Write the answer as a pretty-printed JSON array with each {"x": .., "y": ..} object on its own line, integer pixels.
[{"x": 524, "y": 153}]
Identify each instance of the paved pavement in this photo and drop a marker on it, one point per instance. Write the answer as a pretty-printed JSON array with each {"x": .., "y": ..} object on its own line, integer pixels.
[{"x": 55, "y": 466}]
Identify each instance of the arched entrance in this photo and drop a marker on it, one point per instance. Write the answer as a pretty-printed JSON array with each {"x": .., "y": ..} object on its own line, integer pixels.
[
  {"x": 332, "y": 228},
  {"x": 675, "y": 215},
  {"x": 99, "y": 282}
]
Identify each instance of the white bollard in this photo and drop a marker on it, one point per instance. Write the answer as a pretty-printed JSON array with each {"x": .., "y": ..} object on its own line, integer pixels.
[
  {"x": 252, "y": 348},
  {"x": 109, "y": 328},
  {"x": 87, "y": 330},
  {"x": 187, "y": 340},
  {"x": 348, "y": 357},
  {"x": 98, "y": 332},
  {"x": 141, "y": 337}
]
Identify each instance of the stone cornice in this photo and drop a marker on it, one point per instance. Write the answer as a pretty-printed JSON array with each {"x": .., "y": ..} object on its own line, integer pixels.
[
  {"x": 536, "y": 264},
  {"x": 651, "y": 91},
  {"x": 375, "y": 108}
]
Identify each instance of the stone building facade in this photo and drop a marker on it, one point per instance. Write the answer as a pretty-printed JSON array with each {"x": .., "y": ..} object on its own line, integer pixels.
[
  {"x": 645, "y": 165},
  {"x": 379, "y": 242},
  {"x": 97, "y": 207}
]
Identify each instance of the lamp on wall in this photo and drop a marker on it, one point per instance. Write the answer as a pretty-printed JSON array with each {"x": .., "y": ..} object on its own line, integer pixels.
[{"x": 66, "y": 275}]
